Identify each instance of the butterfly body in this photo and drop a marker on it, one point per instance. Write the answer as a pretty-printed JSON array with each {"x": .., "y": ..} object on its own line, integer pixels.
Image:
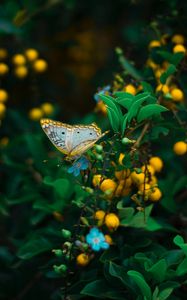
[{"x": 71, "y": 140}]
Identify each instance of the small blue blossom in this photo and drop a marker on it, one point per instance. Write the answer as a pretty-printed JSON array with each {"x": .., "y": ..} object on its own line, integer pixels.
[
  {"x": 101, "y": 92},
  {"x": 81, "y": 164},
  {"x": 96, "y": 240}
]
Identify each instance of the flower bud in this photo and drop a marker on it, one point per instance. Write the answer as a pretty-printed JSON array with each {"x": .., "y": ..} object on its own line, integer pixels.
[
  {"x": 66, "y": 233},
  {"x": 58, "y": 252},
  {"x": 60, "y": 269}
]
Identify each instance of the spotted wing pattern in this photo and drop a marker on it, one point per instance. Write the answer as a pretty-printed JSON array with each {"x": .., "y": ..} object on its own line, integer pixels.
[
  {"x": 57, "y": 132},
  {"x": 71, "y": 140}
]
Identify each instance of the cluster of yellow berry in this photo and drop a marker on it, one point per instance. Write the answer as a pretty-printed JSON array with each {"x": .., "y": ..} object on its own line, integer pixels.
[
  {"x": 3, "y": 71},
  {"x": 170, "y": 89},
  {"x": 143, "y": 179},
  {"x": 21, "y": 65},
  {"x": 112, "y": 222},
  {"x": 21, "y": 62},
  {"x": 29, "y": 59},
  {"x": 3, "y": 100},
  {"x": 45, "y": 110}
]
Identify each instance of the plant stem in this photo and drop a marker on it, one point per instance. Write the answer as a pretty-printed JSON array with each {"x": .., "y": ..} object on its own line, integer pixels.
[{"x": 144, "y": 130}]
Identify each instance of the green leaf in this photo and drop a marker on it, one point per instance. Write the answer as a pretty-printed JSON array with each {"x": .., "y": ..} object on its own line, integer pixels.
[
  {"x": 101, "y": 289},
  {"x": 174, "y": 58},
  {"x": 35, "y": 246},
  {"x": 120, "y": 273},
  {"x": 134, "y": 108},
  {"x": 140, "y": 219},
  {"x": 114, "y": 112},
  {"x": 110, "y": 102},
  {"x": 182, "y": 268},
  {"x": 173, "y": 257},
  {"x": 170, "y": 70},
  {"x": 147, "y": 87},
  {"x": 150, "y": 110},
  {"x": 165, "y": 294},
  {"x": 124, "y": 123},
  {"x": 125, "y": 102},
  {"x": 157, "y": 130},
  {"x": 125, "y": 212},
  {"x": 179, "y": 241},
  {"x": 158, "y": 270},
  {"x": 141, "y": 283},
  {"x": 155, "y": 294},
  {"x": 61, "y": 186},
  {"x": 114, "y": 119}
]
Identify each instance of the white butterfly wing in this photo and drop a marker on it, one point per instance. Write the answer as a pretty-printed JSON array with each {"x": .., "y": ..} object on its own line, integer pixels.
[
  {"x": 57, "y": 132},
  {"x": 83, "y": 134}
]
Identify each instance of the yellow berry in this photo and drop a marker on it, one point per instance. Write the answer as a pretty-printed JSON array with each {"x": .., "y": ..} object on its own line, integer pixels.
[
  {"x": 153, "y": 180},
  {"x": 112, "y": 221},
  {"x": 101, "y": 107},
  {"x": 150, "y": 63},
  {"x": 177, "y": 95},
  {"x": 156, "y": 163},
  {"x": 158, "y": 73},
  {"x": 178, "y": 39},
  {"x": 122, "y": 174},
  {"x": 108, "y": 185},
  {"x": 35, "y": 114},
  {"x": 130, "y": 89},
  {"x": 155, "y": 195},
  {"x": 4, "y": 141},
  {"x": 40, "y": 65},
  {"x": 99, "y": 215},
  {"x": 97, "y": 179},
  {"x": 148, "y": 169},
  {"x": 119, "y": 190},
  {"x": 31, "y": 54},
  {"x": 162, "y": 88},
  {"x": 180, "y": 148},
  {"x": 145, "y": 188},
  {"x": 47, "y": 108},
  {"x": 154, "y": 43},
  {"x": 179, "y": 48},
  {"x": 2, "y": 109},
  {"x": 123, "y": 186},
  {"x": 82, "y": 259},
  {"x": 3, "y": 96},
  {"x": 137, "y": 178},
  {"x": 108, "y": 239},
  {"x": 3, "y": 69},
  {"x": 3, "y": 53},
  {"x": 21, "y": 72},
  {"x": 121, "y": 157},
  {"x": 18, "y": 59}
]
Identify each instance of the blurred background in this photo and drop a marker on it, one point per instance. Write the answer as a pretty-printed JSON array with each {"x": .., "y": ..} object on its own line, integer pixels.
[{"x": 78, "y": 39}]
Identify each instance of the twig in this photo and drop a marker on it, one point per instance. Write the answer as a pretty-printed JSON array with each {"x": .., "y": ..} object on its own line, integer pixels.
[{"x": 144, "y": 130}]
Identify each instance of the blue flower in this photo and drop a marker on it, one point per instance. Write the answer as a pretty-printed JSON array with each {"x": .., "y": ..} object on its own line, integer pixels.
[
  {"x": 101, "y": 92},
  {"x": 96, "y": 240},
  {"x": 81, "y": 164}
]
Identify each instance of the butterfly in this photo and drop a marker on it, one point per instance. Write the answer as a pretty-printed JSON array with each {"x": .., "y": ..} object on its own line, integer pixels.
[{"x": 71, "y": 140}]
